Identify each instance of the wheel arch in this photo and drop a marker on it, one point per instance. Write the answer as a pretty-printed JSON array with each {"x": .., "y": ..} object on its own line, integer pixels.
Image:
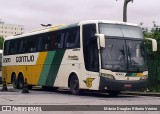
[
  {"x": 13, "y": 74},
  {"x": 20, "y": 74},
  {"x": 72, "y": 74}
]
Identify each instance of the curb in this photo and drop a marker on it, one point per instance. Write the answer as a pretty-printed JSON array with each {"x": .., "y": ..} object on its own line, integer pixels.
[{"x": 142, "y": 93}]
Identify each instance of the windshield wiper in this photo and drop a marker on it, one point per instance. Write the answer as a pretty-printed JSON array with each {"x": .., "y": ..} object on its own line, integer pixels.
[
  {"x": 123, "y": 53},
  {"x": 129, "y": 54}
]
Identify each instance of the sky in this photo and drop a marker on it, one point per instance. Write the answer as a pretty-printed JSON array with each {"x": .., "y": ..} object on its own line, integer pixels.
[{"x": 32, "y": 13}]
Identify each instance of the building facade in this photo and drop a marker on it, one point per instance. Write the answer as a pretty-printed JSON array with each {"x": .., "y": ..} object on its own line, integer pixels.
[{"x": 7, "y": 30}]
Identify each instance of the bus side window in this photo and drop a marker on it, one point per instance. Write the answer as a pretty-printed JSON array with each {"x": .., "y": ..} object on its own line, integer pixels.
[
  {"x": 52, "y": 44},
  {"x": 6, "y": 47},
  {"x": 21, "y": 46},
  {"x": 33, "y": 41},
  {"x": 13, "y": 47},
  {"x": 72, "y": 37},
  {"x": 44, "y": 41},
  {"x": 59, "y": 39},
  {"x": 26, "y": 46}
]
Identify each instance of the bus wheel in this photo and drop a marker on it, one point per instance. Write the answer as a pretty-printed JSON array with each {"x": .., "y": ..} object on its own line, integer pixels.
[
  {"x": 20, "y": 81},
  {"x": 30, "y": 87},
  {"x": 14, "y": 81},
  {"x": 74, "y": 85},
  {"x": 114, "y": 93}
]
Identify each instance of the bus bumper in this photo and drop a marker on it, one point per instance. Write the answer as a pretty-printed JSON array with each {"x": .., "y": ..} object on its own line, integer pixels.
[{"x": 119, "y": 85}]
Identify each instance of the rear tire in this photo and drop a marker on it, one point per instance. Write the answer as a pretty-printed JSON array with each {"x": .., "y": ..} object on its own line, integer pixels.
[
  {"x": 30, "y": 87},
  {"x": 14, "y": 81},
  {"x": 74, "y": 85},
  {"x": 20, "y": 81}
]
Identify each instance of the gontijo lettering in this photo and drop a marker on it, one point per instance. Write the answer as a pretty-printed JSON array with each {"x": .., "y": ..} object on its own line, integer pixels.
[{"x": 25, "y": 58}]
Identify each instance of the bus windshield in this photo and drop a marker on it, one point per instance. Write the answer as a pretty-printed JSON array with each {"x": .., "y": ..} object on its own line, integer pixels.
[
  {"x": 120, "y": 30},
  {"x": 124, "y": 54}
]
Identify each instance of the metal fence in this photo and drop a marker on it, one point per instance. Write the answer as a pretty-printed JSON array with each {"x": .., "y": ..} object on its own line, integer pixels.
[{"x": 154, "y": 72}]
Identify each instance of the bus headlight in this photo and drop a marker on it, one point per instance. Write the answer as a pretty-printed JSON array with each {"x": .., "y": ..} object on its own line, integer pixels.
[
  {"x": 109, "y": 76},
  {"x": 144, "y": 77}
]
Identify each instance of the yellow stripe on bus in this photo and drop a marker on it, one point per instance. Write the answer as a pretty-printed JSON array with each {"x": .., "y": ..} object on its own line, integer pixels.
[
  {"x": 37, "y": 69},
  {"x": 139, "y": 74}
]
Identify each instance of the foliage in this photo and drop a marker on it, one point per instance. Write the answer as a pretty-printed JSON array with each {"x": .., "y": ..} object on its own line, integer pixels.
[
  {"x": 1, "y": 42},
  {"x": 154, "y": 60}
]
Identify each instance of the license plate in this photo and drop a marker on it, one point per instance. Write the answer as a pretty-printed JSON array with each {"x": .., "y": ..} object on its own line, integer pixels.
[{"x": 128, "y": 85}]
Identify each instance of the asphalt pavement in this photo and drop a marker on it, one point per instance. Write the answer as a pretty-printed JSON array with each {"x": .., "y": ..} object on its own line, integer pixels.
[{"x": 147, "y": 93}]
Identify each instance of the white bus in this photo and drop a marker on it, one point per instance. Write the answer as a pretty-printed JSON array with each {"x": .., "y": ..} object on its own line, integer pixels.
[{"x": 90, "y": 55}]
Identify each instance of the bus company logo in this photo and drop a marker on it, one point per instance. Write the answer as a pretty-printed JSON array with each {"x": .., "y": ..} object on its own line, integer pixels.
[
  {"x": 88, "y": 82},
  {"x": 6, "y": 60},
  {"x": 25, "y": 58},
  {"x": 73, "y": 57},
  {"x": 6, "y": 108}
]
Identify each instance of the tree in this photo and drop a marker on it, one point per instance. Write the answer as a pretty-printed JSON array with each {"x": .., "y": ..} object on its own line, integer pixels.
[
  {"x": 1, "y": 42},
  {"x": 153, "y": 59},
  {"x": 154, "y": 33}
]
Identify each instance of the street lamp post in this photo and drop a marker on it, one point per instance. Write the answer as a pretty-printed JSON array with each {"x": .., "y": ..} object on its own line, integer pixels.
[{"x": 125, "y": 9}]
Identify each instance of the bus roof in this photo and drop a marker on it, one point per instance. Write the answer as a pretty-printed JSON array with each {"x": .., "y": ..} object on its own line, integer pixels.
[
  {"x": 106, "y": 21},
  {"x": 62, "y": 26}
]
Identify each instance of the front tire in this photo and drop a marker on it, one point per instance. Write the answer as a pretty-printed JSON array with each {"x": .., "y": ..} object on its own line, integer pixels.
[
  {"x": 114, "y": 93},
  {"x": 74, "y": 85}
]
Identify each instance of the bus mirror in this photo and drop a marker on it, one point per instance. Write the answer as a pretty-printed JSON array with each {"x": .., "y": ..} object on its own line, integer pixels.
[
  {"x": 101, "y": 38},
  {"x": 154, "y": 44}
]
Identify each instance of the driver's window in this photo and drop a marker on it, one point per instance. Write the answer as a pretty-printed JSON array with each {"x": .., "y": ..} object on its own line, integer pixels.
[{"x": 90, "y": 48}]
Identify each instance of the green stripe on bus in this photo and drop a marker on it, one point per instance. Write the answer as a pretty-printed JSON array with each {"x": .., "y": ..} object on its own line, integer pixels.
[
  {"x": 134, "y": 74},
  {"x": 131, "y": 74},
  {"x": 128, "y": 74},
  {"x": 46, "y": 68},
  {"x": 54, "y": 67}
]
